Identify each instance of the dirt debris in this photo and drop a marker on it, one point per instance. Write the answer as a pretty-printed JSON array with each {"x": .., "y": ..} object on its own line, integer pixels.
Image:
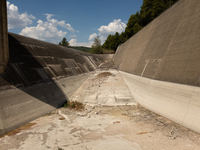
[
  {"x": 104, "y": 74},
  {"x": 139, "y": 114},
  {"x": 167, "y": 127}
]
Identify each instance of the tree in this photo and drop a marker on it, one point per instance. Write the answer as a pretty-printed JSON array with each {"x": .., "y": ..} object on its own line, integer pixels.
[
  {"x": 64, "y": 42},
  {"x": 113, "y": 41},
  {"x": 122, "y": 37},
  {"x": 96, "y": 46},
  {"x": 150, "y": 9},
  {"x": 133, "y": 25}
]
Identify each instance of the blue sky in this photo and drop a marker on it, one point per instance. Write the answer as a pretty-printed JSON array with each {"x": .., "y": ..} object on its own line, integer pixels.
[{"x": 80, "y": 21}]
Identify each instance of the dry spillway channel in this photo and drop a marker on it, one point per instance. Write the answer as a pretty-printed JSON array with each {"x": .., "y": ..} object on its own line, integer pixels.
[
  {"x": 104, "y": 88},
  {"x": 110, "y": 120}
]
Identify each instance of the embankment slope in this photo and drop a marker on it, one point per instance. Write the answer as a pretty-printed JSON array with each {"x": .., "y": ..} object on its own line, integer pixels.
[
  {"x": 39, "y": 78},
  {"x": 161, "y": 64}
]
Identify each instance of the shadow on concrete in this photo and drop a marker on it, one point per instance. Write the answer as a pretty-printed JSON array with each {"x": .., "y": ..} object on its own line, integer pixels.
[
  {"x": 26, "y": 73},
  {"x": 38, "y": 78}
]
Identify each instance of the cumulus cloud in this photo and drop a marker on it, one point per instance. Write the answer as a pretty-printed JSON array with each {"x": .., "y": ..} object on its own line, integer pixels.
[
  {"x": 47, "y": 30},
  {"x": 104, "y": 31},
  {"x": 73, "y": 42},
  {"x": 72, "y": 36},
  {"x": 61, "y": 23},
  {"x": 112, "y": 28},
  {"x": 92, "y": 36},
  {"x": 15, "y": 19}
]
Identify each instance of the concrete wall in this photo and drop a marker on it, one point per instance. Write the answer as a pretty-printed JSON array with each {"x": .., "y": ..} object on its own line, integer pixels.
[
  {"x": 163, "y": 61},
  {"x": 177, "y": 102},
  {"x": 4, "y": 52},
  {"x": 167, "y": 49},
  {"x": 22, "y": 105},
  {"x": 39, "y": 78}
]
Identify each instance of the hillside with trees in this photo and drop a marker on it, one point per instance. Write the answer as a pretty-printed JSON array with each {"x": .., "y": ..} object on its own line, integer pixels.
[
  {"x": 150, "y": 9},
  {"x": 82, "y": 48}
]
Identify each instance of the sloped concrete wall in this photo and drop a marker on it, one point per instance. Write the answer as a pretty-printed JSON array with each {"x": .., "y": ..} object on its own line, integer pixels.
[
  {"x": 177, "y": 102},
  {"x": 168, "y": 48},
  {"x": 160, "y": 64},
  {"x": 39, "y": 78}
]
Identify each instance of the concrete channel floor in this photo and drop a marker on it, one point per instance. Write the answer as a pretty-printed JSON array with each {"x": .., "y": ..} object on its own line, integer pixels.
[
  {"x": 104, "y": 88},
  {"x": 111, "y": 120}
]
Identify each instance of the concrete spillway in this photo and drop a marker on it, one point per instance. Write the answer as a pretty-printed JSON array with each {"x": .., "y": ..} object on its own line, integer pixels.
[
  {"x": 164, "y": 57},
  {"x": 160, "y": 65},
  {"x": 39, "y": 78}
]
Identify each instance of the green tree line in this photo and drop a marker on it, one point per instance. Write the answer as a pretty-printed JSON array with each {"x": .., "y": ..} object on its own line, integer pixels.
[{"x": 150, "y": 9}]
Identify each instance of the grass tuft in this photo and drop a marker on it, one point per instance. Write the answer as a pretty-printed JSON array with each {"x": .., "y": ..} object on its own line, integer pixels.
[{"x": 74, "y": 105}]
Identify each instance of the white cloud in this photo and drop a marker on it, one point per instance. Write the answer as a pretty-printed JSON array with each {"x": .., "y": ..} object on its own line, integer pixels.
[
  {"x": 72, "y": 36},
  {"x": 112, "y": 28},
  {"x": 92, "y": 36},
  {"x": 62, "y": 23},
  {"x": 104, "y": 31},
  {"x": 48, "y": 30},
  {"x": 15, "y": 19},
  {"x": 73, "y": 42}
]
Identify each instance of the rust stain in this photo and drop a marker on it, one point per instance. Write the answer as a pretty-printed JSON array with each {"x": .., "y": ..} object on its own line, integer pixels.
[
  {"x": 18, "y": 130},
  {"x": 116, "y": 122},
  {"x": 142, "y": 133}
]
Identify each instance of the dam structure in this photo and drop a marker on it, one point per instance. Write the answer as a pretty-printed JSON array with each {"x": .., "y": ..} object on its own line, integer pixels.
[
  {"x": 160, "y": 66},
  {"x": 164, "y": 75}
]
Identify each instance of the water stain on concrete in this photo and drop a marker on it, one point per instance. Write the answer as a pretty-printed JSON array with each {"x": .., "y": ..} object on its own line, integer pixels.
[{"x": 18, "y": 130}]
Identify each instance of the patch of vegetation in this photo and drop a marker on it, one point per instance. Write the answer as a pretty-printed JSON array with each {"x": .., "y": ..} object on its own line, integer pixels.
[
  {"x": 74, "y": 105},
  {"x": 82, "y": 48},
  {"x": 113, "y": 62}
]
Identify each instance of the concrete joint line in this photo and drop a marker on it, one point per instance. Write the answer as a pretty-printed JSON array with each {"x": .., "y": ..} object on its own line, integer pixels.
[
  {"x": 145, "y": 67},
  {"x": 188, "y": 107}
]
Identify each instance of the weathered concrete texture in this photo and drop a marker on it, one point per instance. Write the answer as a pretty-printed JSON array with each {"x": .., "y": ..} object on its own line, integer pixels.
[
  {"x": 39, "y": 78},
  {"x": 33, "y": 61},
  {"x": 112, "y": 128},
  {"x": 104, "y": 57},
  {"x": 168, "y": 48},
  {"x": 163, "y": 61},
  {"x": 177, "y": 102},
  {"x": 104, "y": 88},
  {"x": 4, "y": 52},
  {"x": 22, "y": 105}
]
